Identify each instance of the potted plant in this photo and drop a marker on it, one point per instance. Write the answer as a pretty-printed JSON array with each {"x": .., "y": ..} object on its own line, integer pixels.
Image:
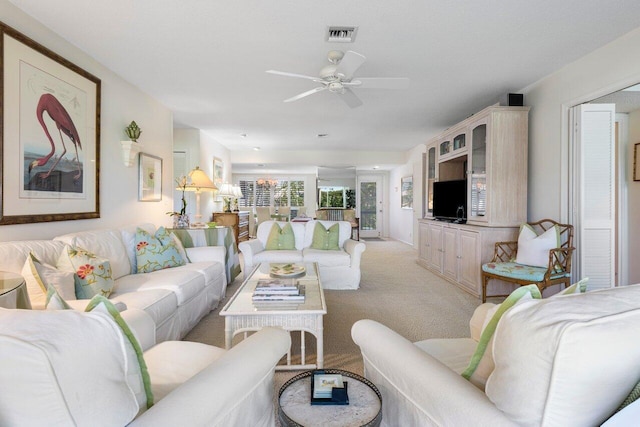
[{"x": 180, "y": 218}]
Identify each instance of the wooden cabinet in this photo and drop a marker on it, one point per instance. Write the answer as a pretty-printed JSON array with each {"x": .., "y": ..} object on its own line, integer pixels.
[
  {"x": 239, "y": 221},
  {"x": 489, "y": 150},
  {"x": 456, "y": 252}
]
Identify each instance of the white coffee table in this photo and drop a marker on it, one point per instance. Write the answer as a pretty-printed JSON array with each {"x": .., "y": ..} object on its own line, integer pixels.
[{"x": 243, "y": 316}]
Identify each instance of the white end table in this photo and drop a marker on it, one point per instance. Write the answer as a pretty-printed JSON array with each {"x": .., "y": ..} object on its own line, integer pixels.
[{"x": 13, "y": 291}]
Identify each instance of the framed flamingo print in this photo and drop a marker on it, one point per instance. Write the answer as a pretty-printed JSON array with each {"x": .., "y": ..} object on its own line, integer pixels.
[{"x": 50, "y": 135}]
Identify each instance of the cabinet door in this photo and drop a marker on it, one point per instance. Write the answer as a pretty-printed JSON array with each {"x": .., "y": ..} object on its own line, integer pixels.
[
  {"x": 469, "y": 260},
  {"x": 423, "y": 253},
  {"x": 449, "y": 253},
  {"x": 477, "y": 182},
  {"x": 430, "y": 178},
  {"x": 435, "y": 248}
]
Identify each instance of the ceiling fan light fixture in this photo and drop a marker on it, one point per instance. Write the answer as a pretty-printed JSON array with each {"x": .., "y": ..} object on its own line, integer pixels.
[
  {"x": 322, "y": 135},
  {"x": 341, "y": 34}
]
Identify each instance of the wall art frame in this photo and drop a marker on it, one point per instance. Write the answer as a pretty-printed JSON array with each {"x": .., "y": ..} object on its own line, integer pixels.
[
  {"x": 406, "y": 192},
  {"x": 218, "y": 171},
  {"x": 636, "y": 159},
  {"x": 50, "y": 135},
  {"x": 149, "y": 178}
]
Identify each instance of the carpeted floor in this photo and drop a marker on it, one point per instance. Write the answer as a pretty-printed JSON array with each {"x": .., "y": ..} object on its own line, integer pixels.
[{"x": 394, "y": 290}]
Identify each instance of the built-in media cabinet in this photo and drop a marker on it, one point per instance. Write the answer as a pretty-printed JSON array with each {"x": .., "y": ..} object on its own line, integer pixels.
[{"x": 488, "y": 153}]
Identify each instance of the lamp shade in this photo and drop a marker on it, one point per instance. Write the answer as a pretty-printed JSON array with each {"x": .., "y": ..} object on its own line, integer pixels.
[
  {"x": 198, "y": 181},
  {"x": 226, "y": 190},
  {"x": 237, "y": 191}
]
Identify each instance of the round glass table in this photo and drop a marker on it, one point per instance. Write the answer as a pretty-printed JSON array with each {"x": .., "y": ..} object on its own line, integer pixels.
[
  {"x": 295, "y": 408},
  {"x": 13, "y": 291}
]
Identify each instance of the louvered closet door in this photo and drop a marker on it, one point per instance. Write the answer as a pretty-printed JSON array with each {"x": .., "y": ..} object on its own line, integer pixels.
[{"x": 594, "y": 193}]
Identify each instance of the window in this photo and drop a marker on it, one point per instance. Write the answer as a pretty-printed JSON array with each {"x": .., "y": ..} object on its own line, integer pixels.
[
  {"x": 332, "y": 197},
  {"x": 284, "y": 193}
]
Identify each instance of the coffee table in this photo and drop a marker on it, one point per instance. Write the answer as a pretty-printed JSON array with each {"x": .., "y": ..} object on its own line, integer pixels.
[
  {"x": 295, "y": 409},
  {"x": 243, "y": 316}
]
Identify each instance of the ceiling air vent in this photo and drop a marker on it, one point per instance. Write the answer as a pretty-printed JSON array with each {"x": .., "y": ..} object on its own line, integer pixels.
[{"x": 342, "y": 34}]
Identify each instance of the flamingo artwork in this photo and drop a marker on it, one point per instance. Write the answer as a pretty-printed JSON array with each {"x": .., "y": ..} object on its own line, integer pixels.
[{"x": 50, "y": 104}]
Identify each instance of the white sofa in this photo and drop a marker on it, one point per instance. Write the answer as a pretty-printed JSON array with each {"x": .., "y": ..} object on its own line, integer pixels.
[
  {"x": 564, "y": 361},
  {"x": 175, "y": 298},
  {"x": 62, "y": 368},
  {"x": 338, "y": 269}
]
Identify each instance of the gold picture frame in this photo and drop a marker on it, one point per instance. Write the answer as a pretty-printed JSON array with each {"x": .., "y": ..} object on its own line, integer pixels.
[
  {"x": 50, "y": 135},
  {"x": 636, "y": 168}
]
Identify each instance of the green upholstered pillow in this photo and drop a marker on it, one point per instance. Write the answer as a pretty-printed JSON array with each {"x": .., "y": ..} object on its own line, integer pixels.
[
  {"x": 55, "y": 301},
  {"x": 92, "y": 273},
  {"x": 577, "y": 288},
  {"x": 326, "y": 239},
  {"x": 144, "y": 395},
  {"x": 281, "y": 238},
  {"x": 481, "y": 363},
  {"x": 156, "y": 252}
]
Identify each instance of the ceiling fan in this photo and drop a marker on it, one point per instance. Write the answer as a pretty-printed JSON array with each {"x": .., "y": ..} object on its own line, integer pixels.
[{"x": 338, "y": 77}]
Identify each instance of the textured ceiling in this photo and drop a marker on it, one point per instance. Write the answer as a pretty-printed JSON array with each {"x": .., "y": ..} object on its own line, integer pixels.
[{"x": 206, "y": 60}]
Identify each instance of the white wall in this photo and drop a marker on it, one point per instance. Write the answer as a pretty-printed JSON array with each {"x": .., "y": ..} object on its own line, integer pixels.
[
  {"x": 121, "y": 103},
  {"x": 633, "y": 199},
  {"x": 608, "y": 69},
  {"x": 403, "y": 223}
]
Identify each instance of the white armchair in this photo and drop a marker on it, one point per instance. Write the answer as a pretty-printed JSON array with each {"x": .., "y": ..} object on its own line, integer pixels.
[
  {"x": 564, "y": 361},
  {"x": 46, "y": 381}
]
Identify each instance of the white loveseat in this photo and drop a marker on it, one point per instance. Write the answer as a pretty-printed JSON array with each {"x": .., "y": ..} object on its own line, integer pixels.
[
  {"x": 338, "y": 269},
  {"x": 564, "y": 361},
  {"x": 175, "y": 298},
  {"x": 68, "y": 368}
]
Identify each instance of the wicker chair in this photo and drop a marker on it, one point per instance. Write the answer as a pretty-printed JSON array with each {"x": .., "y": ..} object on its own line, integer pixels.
[{"x": 558, "y": 271}]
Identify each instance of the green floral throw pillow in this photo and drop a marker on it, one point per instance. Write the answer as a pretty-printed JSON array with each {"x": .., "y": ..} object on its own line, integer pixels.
[
  {"x": 156, "y": 252},
  {"x": 92, "y": 273},
  {"x": 326, "y": 239},
  {"x": 281, "y": 238}
]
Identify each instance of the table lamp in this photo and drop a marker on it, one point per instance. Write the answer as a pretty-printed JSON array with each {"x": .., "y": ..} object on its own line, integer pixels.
[
  {"x": 226, "y": 192},
  {"x": 198, "y": 182},
  {"x": 237, "y": 191}
]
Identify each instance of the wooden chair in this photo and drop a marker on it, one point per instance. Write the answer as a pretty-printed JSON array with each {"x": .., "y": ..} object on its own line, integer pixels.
[{"x": 558, "y": 271}]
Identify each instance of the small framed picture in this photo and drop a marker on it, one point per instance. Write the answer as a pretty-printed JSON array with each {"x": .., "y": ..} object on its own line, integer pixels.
[
  {"x": 406, "y": 192},
  {"x": 150, "y": 178},
  {"x": 636, "y": 167}
]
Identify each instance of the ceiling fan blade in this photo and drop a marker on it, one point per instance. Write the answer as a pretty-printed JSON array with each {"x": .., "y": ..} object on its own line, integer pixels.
[
  {"x": 350, "y": 98},
  {"x": 380, "y": 82},
  {"x": 349, "y": 64},
  {"x": 307, "y": 93},
  {"x": 284, "y": 73}
]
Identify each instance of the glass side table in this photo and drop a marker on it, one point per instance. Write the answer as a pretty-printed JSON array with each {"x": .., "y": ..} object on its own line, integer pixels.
[
  {"x": 295, "y": 409},
  {"x": 13, "y": 291}
]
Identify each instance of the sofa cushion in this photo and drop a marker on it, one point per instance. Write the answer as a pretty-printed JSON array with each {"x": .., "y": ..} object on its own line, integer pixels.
[
  {"x": 534, "y": 250},
  {"x": 264, "y": 229},
  {"x": 281, "y": 238},
  {"x": 171, "y": 363},
  {"x": 455, "y": 353},
  {"x": 137, "y": 374},
  {"x": 129, "y": 239},
  {"x": 156, "y": 252},
  {"x": 325, "y": 238},
  {"x": 103, "y": 243},
  {"x": 92, "y": 273},
  {"x": 64, "y": 368},
  {"x": 39, "y": 277},
  {"x": 185, "y": 283},
  {"x": 160, "y": 304},
  {"x": 55, "y": 301},
  {"x": 277, "y": 256},
  {"x": 519, "y": 271},
  {"x": 343, "y": 235},
  {"x": 324, "y": 258},
  {"x": 569, "y": 360}
]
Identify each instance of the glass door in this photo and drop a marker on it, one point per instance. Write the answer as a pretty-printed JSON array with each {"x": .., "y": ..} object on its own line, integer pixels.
[
  {"x": 370, "y": 197},
  {"x": 478, "y": 182}
]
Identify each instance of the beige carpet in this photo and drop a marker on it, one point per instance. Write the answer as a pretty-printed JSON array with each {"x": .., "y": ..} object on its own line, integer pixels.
[{"x": 394, "y": 290}]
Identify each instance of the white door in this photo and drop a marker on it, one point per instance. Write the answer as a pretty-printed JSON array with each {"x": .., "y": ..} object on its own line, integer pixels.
[
  {"x": 370, "y": 202},
  {"x": 593, "y": 207}
]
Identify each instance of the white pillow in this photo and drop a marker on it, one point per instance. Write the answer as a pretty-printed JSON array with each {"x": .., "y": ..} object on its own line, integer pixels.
[
  {"x": 534, "y": 250},
  {"x": 39, "y": 276}
]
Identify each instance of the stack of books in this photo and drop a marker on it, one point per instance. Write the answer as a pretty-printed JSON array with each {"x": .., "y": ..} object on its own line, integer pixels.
[{"x": 278, "y": 290}]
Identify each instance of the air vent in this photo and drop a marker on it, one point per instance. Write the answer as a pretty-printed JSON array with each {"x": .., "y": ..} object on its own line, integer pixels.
[{"x": 341, "y": 34}]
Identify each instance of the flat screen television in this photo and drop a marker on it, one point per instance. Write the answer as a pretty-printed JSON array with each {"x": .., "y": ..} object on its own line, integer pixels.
[{"x": 450, "y": 200}]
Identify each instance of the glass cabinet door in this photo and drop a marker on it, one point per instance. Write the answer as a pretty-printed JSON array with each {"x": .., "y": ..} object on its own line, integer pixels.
[
  {"x": 431, "y": 178},
  {"x": 445, "y": 147},
  {"x": 459, "y": 141},
  {"x": 478, "y": 190}
]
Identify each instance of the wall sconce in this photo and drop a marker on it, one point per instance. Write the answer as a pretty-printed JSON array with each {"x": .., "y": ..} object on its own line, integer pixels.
[{"x": 129, "y": 151}]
